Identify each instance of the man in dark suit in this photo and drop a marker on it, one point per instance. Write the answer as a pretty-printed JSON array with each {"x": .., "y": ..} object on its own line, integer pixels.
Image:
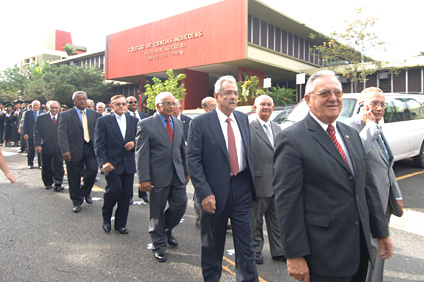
[
  {"x": 327, "y": 203},
  {"x": 133, "y": 111},
  {"x": 380, "y": 159},
  {"x": 162, "y": 170},
  {"x": 46, "y": 142},
  {"x": 28, "y": 132},
  {"x": 262, "y": 134},
  {"x": 221, "y": 169},
  {"x": 76, "y": 138},
  {"x": 114, "y": 145},
  {"x": 185, "y": 119}
]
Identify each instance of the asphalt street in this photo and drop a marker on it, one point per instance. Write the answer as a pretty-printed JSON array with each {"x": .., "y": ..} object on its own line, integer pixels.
[{"x": 41, "y": 239}]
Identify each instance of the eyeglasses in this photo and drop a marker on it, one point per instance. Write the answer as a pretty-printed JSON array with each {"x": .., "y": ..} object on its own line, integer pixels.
[
  {"x": 327, "y": 93},
  {"x": 376, "y": 104},
  {"x": 132, "y": 102},
  {"x": 168, "y": 104},
  {"x": 120, "y": 104},
  {"x": 230, "y": 92},
  {"x": 265, "y": 104}
]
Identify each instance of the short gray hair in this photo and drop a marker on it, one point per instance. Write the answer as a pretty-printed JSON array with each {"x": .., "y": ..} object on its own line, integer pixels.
[
  {"x": 221, "y": 80},
  {"x": 100, "y": 103},
  {"x": 260, "y": 98},
  {"x": 310, "y": 86},
  {"x": 78, "y": 93},
  {"x": 205, "y": 101},
  {"x": 35, "y": 101},
  {"x": 51, "y": 102},
  {"x": 159, "y": 98}
]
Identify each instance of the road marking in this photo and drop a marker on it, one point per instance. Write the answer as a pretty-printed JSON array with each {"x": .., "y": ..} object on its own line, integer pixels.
[
  {"x": 411, "y": 221},
  {"x": 233, "y": 264},
  {"x": 409, "y": 175}
]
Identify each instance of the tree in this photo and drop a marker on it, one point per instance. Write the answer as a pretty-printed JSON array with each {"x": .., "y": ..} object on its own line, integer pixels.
[
  {"x": 13, "y": 82},
  {"x": 172, "y": 84},
  {"x": 349, "y": 48},
  {"x": 69, "y": 51},
  {"x": 282, "y": 96},
  {"x": 249, "y": 88}
]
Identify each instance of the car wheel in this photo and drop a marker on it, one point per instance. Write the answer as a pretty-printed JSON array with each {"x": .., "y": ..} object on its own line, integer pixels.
[{"x": 419, "y": 159}]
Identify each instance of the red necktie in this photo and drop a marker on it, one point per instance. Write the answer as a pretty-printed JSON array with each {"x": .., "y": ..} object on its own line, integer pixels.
[
  {"x": 232, "y": 149},
  {"x": 332, "y": 134},
  {"x": 169, "y": 129},
  {"x": 54, "y": 121}
]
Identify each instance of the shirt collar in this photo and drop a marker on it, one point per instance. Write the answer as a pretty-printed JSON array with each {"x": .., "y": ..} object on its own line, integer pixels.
[
  {"x": 222, "y": 117},
  {"x": 323, "y": 124}
]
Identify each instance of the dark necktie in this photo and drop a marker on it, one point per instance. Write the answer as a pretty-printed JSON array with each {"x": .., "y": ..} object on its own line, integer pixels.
[
  {"x": 232, "y": 149},
  {"x": 169, "y": 129},
  {"x": 332, "y": 135},
  {"x": 54, "y": 121}
]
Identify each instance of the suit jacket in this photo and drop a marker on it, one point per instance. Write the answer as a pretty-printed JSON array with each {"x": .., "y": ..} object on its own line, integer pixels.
[
  {"x": 158, "y": 157},
  {"x": 45, "y": 134},
  {"x": 186, "y": 123},
  {"x": 109, "y": 143},
  {"x": 70, "y": 132},
  {"x": 382, "y": 171},
  {"x": 321, "y": 206},
  {"x": 262, "y": 152},
  {"x": 29, "y": 122},
  {"x": 208, "y": 159},
  {"x": 142, "y": 115}
]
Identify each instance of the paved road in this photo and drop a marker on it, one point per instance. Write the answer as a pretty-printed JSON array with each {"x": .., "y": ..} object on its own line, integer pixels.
[{"x": 42, "y": 240}]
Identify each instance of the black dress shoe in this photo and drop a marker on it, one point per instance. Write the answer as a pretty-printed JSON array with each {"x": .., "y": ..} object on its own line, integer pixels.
[
  {"x": 106, "y": 227},
  {"x": 280, "y": 258},
  {"x": 58, "y": 188},
  {"x": 30, "y": 166},
  {"x": 171, "y": 240},
  {"x": 122, "y": 230},
  {"x": 88, "y": 199},
  {"x": 160, "y": 257},
  {"x": 48, "y": 187},
  {"x": 259, "y": 259},
  {"x": 77, "y": 208}
]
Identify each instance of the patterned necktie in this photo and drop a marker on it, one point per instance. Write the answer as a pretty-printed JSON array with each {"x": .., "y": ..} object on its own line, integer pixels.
[
  {"x": 169, "y": 129},
  {"x": 383, "y": 148},
  {"x": 54, "y": 121},
  {"x": 85, "y": 127},
  {"x": 332, "y": 135},
  {"x": 232, "y": 149},
  {"x": 268, "y": 133}
]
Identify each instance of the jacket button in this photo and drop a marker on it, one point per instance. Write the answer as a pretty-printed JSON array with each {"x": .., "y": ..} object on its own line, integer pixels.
[
  {"x": 356, "y": 223},
  {"x": 351, "y": 177}
]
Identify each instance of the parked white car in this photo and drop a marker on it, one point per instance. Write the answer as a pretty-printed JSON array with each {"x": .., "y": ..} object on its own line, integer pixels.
[{"x": 403, "y": 122}]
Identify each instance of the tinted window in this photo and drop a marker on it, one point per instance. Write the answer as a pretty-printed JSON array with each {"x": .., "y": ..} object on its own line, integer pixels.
[{"x": 402, "y": 109}]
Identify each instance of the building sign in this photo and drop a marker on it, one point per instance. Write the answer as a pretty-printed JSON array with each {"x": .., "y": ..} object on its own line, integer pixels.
[{"x": 164, "y": 48}]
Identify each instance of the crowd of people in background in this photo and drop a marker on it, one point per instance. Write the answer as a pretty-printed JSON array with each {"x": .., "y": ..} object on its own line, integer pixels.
[{"x": 312, "y": 183}]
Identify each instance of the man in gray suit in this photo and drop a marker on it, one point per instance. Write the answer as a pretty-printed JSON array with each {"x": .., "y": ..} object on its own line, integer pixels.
[
  {"x": 327, "y": 203},
  {"x": 162, "y": 170},
  {"x": 262, "y": 135},
  {"x": 380, "y": 159}
]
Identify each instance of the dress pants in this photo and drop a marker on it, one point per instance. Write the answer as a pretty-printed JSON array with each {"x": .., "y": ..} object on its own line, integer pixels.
[
  {"x": 214, "y": 229},
  {"x": 161, "y": 220},
  {"x": 52, "y": 171},
  {"x": 31, "y": 153},
  {"x": 77, "y": 192},
  {"x": 117, "y": 191},
  {"x": 265, "y": 206}
]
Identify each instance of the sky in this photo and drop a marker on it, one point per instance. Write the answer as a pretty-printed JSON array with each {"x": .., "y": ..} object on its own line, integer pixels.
[{"x": 24, "y": 23}]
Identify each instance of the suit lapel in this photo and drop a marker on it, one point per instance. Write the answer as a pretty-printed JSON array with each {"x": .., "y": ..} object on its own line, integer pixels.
[
  {"x": 76, "y": 117},
  {"x": 244, "y": 130},
  {"x": 113, "y": 123},
  {"x": 177, "y": 130},
  {"x": 216, "y": 131},
  {"x": 161, "y": 128},
  {"x": 130, "y": 127},
  {"x": 261, "y": 132},
  {"x": 350, "y": 148}
]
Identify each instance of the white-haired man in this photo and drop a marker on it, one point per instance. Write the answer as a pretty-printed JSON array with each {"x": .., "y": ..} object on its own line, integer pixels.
[
  {"x": 162, "y": 170},
  {"x": 28, "y": 132}
]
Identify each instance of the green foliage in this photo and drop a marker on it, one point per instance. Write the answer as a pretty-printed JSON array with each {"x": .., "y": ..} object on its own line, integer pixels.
[
  {"x": 12, "y": 83},
  {"x": 248, "y": 88},
  {"x": 172, "y": 85},
  {"x": 282, "y": 96},
  {"x": 69, "y": 51},
  {"x": 350, "y": 47}
]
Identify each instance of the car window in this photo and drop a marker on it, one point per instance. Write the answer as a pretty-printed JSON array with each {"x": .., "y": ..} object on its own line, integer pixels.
[{"x": 349, "y": 105}]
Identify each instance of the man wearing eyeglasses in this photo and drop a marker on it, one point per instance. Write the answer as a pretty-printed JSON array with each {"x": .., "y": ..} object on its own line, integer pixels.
[
  {"x": 327, "y": 203},
  {"x": 114, "y": 146},
  {"x": 221, "y": 168},
  {"x": 380, "y": 159},
  {"x": 162, "y": 170},
  {"x": 133, "y": 111}
]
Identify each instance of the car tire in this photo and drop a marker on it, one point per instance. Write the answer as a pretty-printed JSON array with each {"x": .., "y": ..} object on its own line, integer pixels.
[{"x": 419, "y": 159}]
